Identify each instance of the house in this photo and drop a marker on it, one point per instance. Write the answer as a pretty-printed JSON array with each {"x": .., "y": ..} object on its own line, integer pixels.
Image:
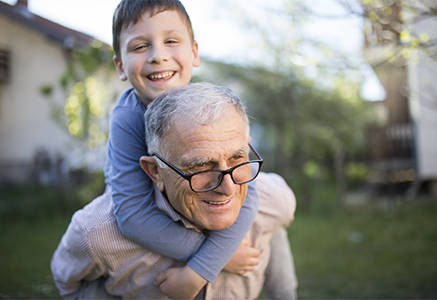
[
  {"x": 34, "y": 52},
  {"x": 404, "y": 148},
  {"x": 423, "y": 108}
]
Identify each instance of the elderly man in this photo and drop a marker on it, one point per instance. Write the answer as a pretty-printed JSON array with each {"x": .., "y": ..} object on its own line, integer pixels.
[{"x": 198, "y": 138}]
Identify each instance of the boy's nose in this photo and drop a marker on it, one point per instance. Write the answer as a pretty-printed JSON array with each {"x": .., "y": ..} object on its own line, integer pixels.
[{"x": 158, "y": 55}]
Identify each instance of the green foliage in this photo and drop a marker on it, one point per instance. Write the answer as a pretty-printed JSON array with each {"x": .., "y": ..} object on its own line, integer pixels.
[
  {"x": 35, "y": 203},
  {"x": 91, "y": 188},
  {"x": 87, "y": 95},
  {"x": 396, "y": 26},
  {"x": 46, "y": 90}
]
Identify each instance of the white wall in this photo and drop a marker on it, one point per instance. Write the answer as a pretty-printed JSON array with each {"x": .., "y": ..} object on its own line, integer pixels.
[
  {"x": 25, "y": 124},
  {"x": 423, "y": 106}
]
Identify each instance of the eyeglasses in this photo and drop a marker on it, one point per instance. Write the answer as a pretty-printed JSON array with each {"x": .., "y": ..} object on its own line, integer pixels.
[{"x": 208, "y": 180}]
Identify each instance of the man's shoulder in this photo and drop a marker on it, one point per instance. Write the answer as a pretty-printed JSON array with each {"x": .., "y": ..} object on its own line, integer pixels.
[
  {"x": 97, "y": 214},
  {"x": 97, "y": 224},
  {"x": 272, "y": 185},
  {"x": 276, "y": 199}
]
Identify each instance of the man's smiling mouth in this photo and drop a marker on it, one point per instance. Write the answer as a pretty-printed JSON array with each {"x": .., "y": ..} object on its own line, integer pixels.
[
  {"x": 217, "y": 203},
  {"x": 160, "y": 76}
]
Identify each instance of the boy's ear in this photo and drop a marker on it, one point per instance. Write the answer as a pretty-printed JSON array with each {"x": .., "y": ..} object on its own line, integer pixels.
[
  {"x": 196, "y": 60},
  {"x": 149, "y": 165},
  {"x": 120, "y": 69}
]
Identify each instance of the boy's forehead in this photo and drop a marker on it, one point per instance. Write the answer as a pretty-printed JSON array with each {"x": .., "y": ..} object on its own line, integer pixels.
[{"x": 150, "y": 14}]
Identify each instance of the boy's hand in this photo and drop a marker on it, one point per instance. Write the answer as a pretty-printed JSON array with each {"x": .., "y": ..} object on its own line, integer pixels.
[
  {"x": 180, "y": 283},
  {"x": 245, "y": 259}
]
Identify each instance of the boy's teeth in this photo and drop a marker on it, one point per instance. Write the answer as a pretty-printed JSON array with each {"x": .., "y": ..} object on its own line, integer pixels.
[{"x": 160, "y": 76}]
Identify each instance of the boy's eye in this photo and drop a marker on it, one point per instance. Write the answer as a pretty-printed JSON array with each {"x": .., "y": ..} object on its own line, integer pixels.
[
  {"x": 139, "y": 47},
  {"x": 171, "y": 42}
]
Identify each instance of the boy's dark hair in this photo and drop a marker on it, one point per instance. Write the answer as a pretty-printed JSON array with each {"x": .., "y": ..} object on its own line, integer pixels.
[{"x": 128, "y": 12}]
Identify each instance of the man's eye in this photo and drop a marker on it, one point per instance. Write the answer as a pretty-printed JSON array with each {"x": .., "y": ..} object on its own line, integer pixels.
[
  {"x": 239, "y": 157},
  {"x": 200, "y": 167}
]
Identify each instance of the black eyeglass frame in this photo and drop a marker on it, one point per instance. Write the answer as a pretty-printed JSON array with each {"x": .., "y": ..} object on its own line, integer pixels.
[{"x": 228, "y": 171}]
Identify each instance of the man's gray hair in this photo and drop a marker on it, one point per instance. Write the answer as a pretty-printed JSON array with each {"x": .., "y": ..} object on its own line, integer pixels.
[{"x": 201, "y": 103}]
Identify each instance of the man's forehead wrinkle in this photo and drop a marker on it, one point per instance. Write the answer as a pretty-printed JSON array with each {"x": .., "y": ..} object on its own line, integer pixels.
[{"x": 205, "y": 160}]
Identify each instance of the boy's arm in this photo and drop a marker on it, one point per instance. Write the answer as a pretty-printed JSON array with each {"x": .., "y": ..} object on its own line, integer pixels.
[
  {"x": 180, "y": 283},
  {"x": 221, "y": 245},
  {"x": 137, "y": 215},
  {"x": 245, "y": 259}
]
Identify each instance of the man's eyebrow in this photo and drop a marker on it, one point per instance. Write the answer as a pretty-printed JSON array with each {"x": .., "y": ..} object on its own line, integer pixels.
[
  {"x": 196, "y": 161},
  {"x": 243, "y": 150}
]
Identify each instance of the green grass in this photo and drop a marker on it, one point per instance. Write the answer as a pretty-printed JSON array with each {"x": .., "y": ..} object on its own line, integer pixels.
[
  {"x": 345, "y": 254},
  {"x": 366, "y": 255},
  {"x": 25, "y": 253},
  {"x": 32, "y": 221}
]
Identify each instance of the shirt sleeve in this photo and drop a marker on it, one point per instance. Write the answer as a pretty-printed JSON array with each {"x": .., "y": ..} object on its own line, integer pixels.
[
  {"x": 74, "y": 260},
  {"x": 137, "y": 214},
  {"x": 221, "y": 245},
  {"x": 278, "y": 202}
]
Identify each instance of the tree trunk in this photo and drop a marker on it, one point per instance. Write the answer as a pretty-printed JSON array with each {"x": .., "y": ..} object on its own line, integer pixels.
[{"x": 340, "y": 179}]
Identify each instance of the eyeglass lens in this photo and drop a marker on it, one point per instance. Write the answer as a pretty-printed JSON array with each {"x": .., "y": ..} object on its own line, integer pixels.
[{"x": 211, "y": 179}]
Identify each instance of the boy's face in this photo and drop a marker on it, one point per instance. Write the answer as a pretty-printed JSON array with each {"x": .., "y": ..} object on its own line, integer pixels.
[{"x": 156, "y": 54}]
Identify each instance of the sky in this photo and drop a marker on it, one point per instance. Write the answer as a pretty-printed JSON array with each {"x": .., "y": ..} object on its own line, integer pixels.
[{"x": 216, "y": 31}]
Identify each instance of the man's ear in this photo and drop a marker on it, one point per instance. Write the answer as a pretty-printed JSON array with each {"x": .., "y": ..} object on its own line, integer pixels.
[
  {"x": 149, "y": 165},
  {"x": 120, "y": 69}
]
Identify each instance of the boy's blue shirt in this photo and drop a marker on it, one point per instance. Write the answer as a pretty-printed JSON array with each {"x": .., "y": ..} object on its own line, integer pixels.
[{"x": 136, "y": 212}]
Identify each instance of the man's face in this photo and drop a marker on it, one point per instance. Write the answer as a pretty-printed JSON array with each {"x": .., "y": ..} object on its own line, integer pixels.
[
  {"x": 218, "y": 146},
  {"x": 156, "y": 54}
]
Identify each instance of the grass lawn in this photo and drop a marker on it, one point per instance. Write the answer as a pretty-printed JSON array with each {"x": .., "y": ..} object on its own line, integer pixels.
[
  {"x": 365, "y": 254},
  {"x": 25, "y": 252}
]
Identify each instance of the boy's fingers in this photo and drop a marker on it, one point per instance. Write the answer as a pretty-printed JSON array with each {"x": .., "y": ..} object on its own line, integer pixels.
[
  {"x": 254, "y": 261},
  {"x": 160, "y": 278},
  {"x": 254, "y": 252}
]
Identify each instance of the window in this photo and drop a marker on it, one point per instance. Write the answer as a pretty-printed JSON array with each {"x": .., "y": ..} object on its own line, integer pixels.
[{"x": 5, "y": 59}]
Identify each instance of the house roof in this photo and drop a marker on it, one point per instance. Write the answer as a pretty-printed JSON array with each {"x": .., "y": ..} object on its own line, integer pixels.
[{"x": 69, "y": 38}]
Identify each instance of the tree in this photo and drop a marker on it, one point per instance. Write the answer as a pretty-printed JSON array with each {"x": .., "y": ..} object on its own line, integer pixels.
[
  {"x": 86, "y": 105},
  {"x": 392, "y": 26}
]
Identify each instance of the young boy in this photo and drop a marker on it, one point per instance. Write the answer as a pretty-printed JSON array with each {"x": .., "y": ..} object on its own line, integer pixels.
[{"x": 155, "y": 50}]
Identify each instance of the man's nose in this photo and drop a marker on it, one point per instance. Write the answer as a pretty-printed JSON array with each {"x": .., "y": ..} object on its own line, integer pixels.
[
  {"x": 227, "y": 186},
  {"x": 158, "y": 55}
]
